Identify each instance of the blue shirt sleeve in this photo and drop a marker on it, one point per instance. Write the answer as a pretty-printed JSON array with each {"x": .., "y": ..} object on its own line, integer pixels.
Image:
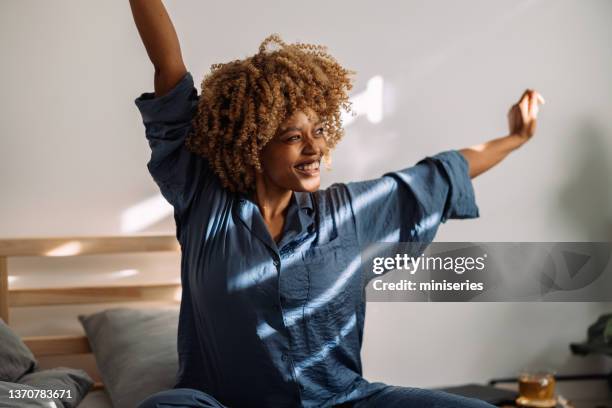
[
  {"x": 167, "y": 120},
  {"x": 409, "y": 205}
]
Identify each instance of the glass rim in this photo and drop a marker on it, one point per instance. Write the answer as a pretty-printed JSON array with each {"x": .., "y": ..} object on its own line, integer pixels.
[{"x": 535, "y": 371}]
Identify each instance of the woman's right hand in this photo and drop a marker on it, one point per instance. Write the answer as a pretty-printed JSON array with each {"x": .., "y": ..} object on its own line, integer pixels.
[{"x": 522, "y": 116}]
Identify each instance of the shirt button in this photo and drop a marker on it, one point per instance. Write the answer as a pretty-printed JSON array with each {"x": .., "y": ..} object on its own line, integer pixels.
[{"x": 284, "y": 357}]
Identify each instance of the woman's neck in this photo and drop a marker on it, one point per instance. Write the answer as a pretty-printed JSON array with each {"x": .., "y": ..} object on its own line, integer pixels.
[{"x": 271, "y": 200}]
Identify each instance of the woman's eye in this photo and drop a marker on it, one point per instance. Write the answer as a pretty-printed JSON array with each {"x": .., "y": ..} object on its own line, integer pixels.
[
  {"x": 292, "y": 138},
  {"x": 320, "y": 131}
]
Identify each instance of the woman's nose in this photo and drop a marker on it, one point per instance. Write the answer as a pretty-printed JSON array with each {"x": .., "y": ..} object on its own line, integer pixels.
[
  {"x": 312, "y": 145},
  {"x": 316, "y": 140}
]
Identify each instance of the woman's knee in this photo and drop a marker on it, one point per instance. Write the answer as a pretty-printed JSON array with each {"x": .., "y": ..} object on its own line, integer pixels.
[{"x": 183, "y": 397}]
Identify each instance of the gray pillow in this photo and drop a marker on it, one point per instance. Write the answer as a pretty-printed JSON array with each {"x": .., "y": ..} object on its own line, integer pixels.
[
  {"x": 135, "y": 351},
  {"x": 75, "y": 382},
  {"x": 27, "y": 397},
  {"x": 15, "y": 358}
]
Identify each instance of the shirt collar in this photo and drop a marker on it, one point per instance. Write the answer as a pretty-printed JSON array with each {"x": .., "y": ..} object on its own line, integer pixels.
[
  {"x": 299, "y": 218},
  {"x": 304, "y": 200},
  {"x": 294, "y": 226}
]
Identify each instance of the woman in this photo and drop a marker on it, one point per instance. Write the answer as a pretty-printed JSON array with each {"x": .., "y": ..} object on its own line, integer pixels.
[{"x": 272, "y": 310}]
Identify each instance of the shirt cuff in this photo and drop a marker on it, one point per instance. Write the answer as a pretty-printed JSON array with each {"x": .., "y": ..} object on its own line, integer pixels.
[
  {"x": 461, "y": 202},
  {"x": 174, "y": 106}
]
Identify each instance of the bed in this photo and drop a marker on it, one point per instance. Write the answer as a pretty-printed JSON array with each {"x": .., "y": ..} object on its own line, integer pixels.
[{"x": 71, "y": 350}]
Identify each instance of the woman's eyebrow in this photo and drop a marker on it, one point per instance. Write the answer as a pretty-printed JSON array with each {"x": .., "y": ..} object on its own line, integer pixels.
[
  {"x": 297, "y": 128},
  {"x": 287, "y": 129}
]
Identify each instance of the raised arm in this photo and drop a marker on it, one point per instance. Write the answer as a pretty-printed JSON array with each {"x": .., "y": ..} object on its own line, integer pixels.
[
  {"x": 522, "y": 124},
  {"x": 161, "y": 42}
]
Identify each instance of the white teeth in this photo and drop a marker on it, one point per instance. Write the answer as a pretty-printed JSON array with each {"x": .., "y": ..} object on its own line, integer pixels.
[{"x": 310, "y": 166}]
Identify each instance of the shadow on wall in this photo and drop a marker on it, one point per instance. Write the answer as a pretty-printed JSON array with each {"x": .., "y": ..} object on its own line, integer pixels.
[{"x": 586, "y": 198}]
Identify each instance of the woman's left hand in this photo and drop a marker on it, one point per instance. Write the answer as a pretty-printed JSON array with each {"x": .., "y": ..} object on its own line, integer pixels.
[{"x": 523, "y": 115}]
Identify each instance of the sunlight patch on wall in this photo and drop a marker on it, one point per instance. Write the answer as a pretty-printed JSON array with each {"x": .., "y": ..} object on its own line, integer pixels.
[
  {"x": 368, "y": 103},
  {"x": 145, "y": 213}
]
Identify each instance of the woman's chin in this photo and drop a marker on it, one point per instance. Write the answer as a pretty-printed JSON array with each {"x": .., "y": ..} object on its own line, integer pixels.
[
  {"x": 308, "y": 186},
  {"x": 307, "y": 181}
]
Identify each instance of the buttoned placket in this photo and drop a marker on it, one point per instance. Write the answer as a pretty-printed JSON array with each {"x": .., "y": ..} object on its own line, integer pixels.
[{"x": 296, "y": 228}]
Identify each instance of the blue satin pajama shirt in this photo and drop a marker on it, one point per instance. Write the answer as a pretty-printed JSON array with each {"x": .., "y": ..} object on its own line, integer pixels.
[{"x": 281, "y": 325}]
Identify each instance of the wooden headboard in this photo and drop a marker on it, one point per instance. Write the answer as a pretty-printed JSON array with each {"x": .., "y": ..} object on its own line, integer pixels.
[{"x": 44, "y": 346}]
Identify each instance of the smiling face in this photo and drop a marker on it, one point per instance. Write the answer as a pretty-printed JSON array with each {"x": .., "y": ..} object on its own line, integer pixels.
[{"x": 291, "y": 160}]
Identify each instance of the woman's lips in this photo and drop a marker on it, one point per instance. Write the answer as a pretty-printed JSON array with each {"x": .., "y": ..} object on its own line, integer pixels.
[
  {"x": 310, "y": 169},
  {"x": 309, "y": 173}
]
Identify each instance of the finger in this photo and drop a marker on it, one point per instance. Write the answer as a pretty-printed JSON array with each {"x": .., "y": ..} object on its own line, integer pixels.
[
  {"x": 513, "y": 109},
  {"x": 532, "y": 127},
  {"x": 524, "y": 104},
  {"x": 533, "y": 93},
  {"x": 525, "y": 95},
  {"x": 533, "y": 106}
]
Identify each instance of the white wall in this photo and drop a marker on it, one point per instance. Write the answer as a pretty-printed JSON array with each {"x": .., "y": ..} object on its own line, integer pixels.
[{"x": 73, "y": 154}]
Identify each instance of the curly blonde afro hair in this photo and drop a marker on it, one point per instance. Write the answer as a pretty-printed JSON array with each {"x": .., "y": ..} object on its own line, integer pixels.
[{"x": 243, "y": 102}]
